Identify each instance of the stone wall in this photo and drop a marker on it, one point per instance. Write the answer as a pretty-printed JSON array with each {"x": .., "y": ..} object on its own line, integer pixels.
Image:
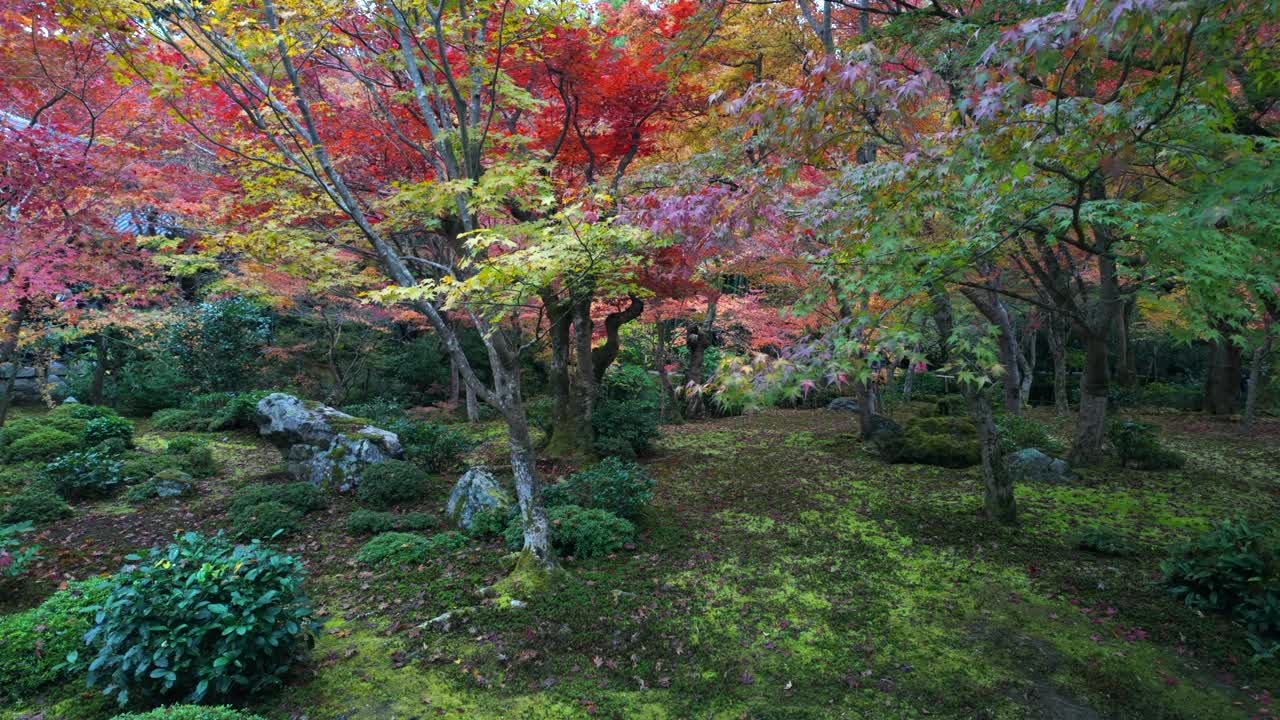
[{"x": 31, "y": 381}]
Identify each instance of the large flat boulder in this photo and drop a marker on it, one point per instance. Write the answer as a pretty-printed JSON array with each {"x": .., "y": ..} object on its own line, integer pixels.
[
  {"x": 1029, "y": 465},
  {"x": 322, "y": 445}
]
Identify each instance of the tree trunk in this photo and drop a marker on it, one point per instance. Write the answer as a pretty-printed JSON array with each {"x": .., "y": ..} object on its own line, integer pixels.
[
  {"x": 1126, "y": 365},
  {"x": 99, "y": 367},
  {"x": 1058, "y": 331},
  {"x": 1091, "y": 426},
  {"x": 563, "y": 442},
  {"x": 9, "y": 354},
  {"x": 670, "y": 407},
  {"x": 1026, "y": 368},
  {"x": 1222, "y": 383},
  {"x": 473, "y": 405},
  {"x": 586, "y": 389},
  {"x": 993, "y": 308},
  {"x": 1257, "y": 376},
  {"x": 455, "y": 383},
  {"x": 943, "y": 319},
  {"x": 865, "y": 392},
  {"x": 998, "y": 499},
  {"x": 697, "y": 340}
]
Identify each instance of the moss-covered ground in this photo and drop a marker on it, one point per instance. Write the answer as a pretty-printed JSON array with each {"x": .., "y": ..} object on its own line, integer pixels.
[{"x": 782, "y": 572}]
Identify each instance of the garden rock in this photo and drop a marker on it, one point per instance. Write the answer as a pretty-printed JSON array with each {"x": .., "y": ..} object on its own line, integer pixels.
[
  {"x": 171, "y": 483},
  {"x": 844, "y": 404},
  {"x": 321, "y": 445},
  {"x": 476, "y": 490},
  {"x": 1032, "y": 466}
]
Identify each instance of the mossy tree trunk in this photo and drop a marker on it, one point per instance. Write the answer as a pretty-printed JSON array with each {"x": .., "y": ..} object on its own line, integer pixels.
[
  {"x": 1059, "y": 332},
  {"x": 1091, "y": 424},
  {"x": 1257, "y": 375},
  {"x": 998, "y": 499}
]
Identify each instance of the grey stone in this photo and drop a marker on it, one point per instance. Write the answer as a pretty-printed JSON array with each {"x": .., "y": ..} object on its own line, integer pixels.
[
  {"x": 476, "y": 490},
  {"x": 321, "y": 445},
  {"x": 1029, "y": 465},
  {"x": 844, "y": 404},
  {"x": 172, "y": 483},
  {"x": 71, "y": 400}
]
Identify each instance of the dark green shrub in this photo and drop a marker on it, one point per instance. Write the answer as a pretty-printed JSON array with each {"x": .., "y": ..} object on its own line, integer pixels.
[
  {"x": 182, "y": 444},
  {"x": 179, "y": 420},
  {"x": 400, "y": 548},
  {"x": 952, "y": 406},
  {"x": 107, "y": 428},
  {"x": 238, "y": 411},
  {"x": 145, "y": 386},
  {"x": 201, "y": 618},
  {"x": 83, "y": 412},
  {"x": 390, "y": 483},
  {"x": 379, "y": 411},
  {"x": 491, "y": 521},
  {"x": 620, "y": 486},
  {"x": 191, "y": 712},
  {"x": 16, "y": 477},
  {"x": 36, "y": 641},
  {"x": 437, "y": 448},
  {"x": 1136, "y": 443},
  {"x": 943, "y": 441},
  {"x": 373, "y": 522},
  {"x": 111, "y": 446},
  {"x": 627, "y": 414},
  {"x": 1017, "y": 432},
  {"x": 140, "y": 467},
  {"x": 15, "y": 554},
  {"x": 219, "y": 343},
  {"x": 303, "y": 497},
  {"x": 41, "y": 446},
  {"x": 578, "y": 531},
  {"x": 166, "y": 483},
  {"x": 38, "y": 504},
  {"x": 1234, "y": 568},
  {"x": 1102, "y": 540},
  {"x": 198, "y": 461},
  {"x": 265, "y": 520},
  {"x": 84, "y": 474}
]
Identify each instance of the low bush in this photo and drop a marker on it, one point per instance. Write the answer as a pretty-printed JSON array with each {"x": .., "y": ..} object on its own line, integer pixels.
[
  {"x": 15, "y": 555},
  {"x": 200, "y": 619},
  {"x": 435, "y": 447},
  {"x": 84, "y": 474},
  {"x": 1102, "y": 540},
  {"x": 140, "y": 467},
  {"x": 16, "y": 477},
  {"x": 191, "y": 712},
  {"x": 238, "y": 411},
  {"x": 944, "y": 441},
  {"x": 1017, "y": 433},
  {"x": 379, "y": 411},
  {"x": 1136, "y": 443},
  {"x": 373, "y": 522},
  {"x": 952, "y": 406},
  {"x": 578, "y": 531},
  {"x": 179, "y": 420},
  {"x": 38, "y": 504},
  {"x": 491, "y": 521},
  {"x": 197, "y": 460},
  {"x": 401, "y": 548},
  {"x": 41, "y": 446},
  {"x": 622, "y": 487},
  {"x": 302, "y": 496},
  {"x": 390, "y": 483},
  {"x": 1233, "y": 568},
  {"x": 265, "y": 520},
  {"x": 81, "y": 411},
  {"x": 166, "y": 483},
  {"x": 627, "y": 414},
  {"x": 37, "y": 641},
  {"x": 107, "y": 428}
]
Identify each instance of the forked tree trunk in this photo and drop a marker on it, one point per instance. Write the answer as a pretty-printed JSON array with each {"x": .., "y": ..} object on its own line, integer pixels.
[
  {"x": 1091, "y": 426},
  {"x": 998, "y": 499}
]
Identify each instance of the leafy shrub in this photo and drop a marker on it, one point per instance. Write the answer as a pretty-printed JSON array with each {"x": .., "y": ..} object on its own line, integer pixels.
[
  {"x": 1232, "y": 568},
  {"x": 41, "y": 446},
  {"x": 238, "y": 411},
  {"x": 80, "y": 411},
  {"x": 140, "y": 467},
  {"x": 1136, "y": 443},
  {"x": 578, "y": 531},
  {"x": 84, "y": 474},
  {"x": 111, "y": 446},
  {"x": 265, "y": 519},
  {"x": 1102, "y": 540},
  {"x": 622, "y": 487},
  {"x": 373, "y": 522},
  {"x": 391, "y": 482},
  {"x": 14, "y": 558},
  {"x": 301, "y": 496},
  {"x": 37, "y": 504},
  {"x": 182, "y": 445},
  {"x": 191, "y": 712},
  {"x": 627, "y": 414},
  {"x": 1017, "y": 432},
  {"x": 491, "y": 521},
  {"x": 437, "y": 448},
  {"x": 943, "y": 441},
  {"x": 36, "y": 641},
  {"x": 166, "y": 482},
  {"x": 179, "y": 420},
  {"x": 198, "y": 461},
  {"x": 219, "y": 343},
  {"x": 200, "y": 619},
  {"x": 145, "y": 386},
  {"x": 106, "y": 428},
  {"x": 952, "y": 406},
  {"x": 401, "y": 548},
  {"x": 15, "y": 477},
  {"x": 378, "y": 410}
]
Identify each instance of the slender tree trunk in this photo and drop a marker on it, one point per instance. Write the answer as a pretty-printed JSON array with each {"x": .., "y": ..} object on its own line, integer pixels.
[
  {"x": 525, "y": 471},
  {"x": 1222, "y": 383},
  {"x": 1126, "y": 366},
  {"x": 99, "y": 367},
  {"x": 455, "y": 383},
  {"x": 670, "y": 407},
  {"x": 1257, "y": 376},
  {"x": 1091, "y": 426},
  {"x": 1058, "y": 331},
  {"x": 865, "y": 392},
  {"x": 1026, "y": 368},
  {"x": 563, "y": 442},
  {"x": 998, "y": 499},
  {"x": 993, "y": 308},
  {"x": 473, "y": 405},
  {"x": 586, "y": 390},
  {"x": 943, "y": 319},
  {"x": 9, "y": 354},
  {"x": 697, "y": 340}
]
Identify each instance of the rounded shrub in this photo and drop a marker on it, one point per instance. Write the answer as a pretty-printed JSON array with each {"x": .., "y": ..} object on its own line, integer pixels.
[
  {"x": 435, "y": 447},
  {"x": 372, "y": 522},
  {"x": 943, "y": 441},
  {"x": 1017, "y": 433},
  {"x": 401, "y": 548},
  {"x": 390, "y": 483},
  {"x": 191, "y": 712},
  {"x": 38, "y": 504},
  {"x": 626, "y": 417},
  {"x": 41, "y": 446},
  {"x": 491, "y": 521},
  {"x": 84, "y": 474},
  {"x": 622, "y": 487},
  {"x": 107, "y": 428},
  {"x": 302, "y": 496},
  {"x": 80, "y": 411},
  {"x": 179, "y": 420},
  {"x": 140, "y": 467},
  {"x": 200, "y": 619},
  {"x": 1136, "y": 444},
  {"x": 37, "y": 641},
  {"x": 265, "y": 520},
  {"x": 578, "y": 531}
]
